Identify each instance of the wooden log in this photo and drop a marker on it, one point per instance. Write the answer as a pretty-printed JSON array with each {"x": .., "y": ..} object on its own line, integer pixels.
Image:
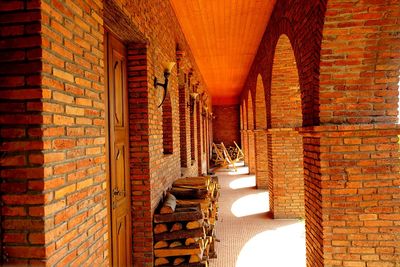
[
  {"x": 175, "y": 244},
  {"x": 187, "y": 208},
  {"x": 182, "y": 251},
  {"x": 182, "y": 234},
  {"x": 191, "y": 240},
  {"x": 204, "y": 203},
  {"x": 179, "y": 216},
  {"x": 194, "y": 181},
  {"x": 169, "y": 204},
  {"x": 187, "y": 193},
  {"x": 199, "y": 264},
  {"x": 194, "y": 224},
  {"x": 160, "y": 228},
  {"x": 160, "y": 261},
  {"x": 161, "y": 244},
  {"x": 195, "y": 258},
  {"x": 176, "y": 227},
  {"x": 179, "y": 260}
]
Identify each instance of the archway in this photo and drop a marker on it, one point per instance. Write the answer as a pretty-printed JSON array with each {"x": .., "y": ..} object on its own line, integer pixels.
[
  {"x": 285, "y": 145},
  {"x": 261, "y": 148}
]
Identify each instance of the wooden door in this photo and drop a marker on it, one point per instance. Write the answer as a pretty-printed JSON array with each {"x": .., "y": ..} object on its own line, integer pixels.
[{"x": 118, "y": 158}]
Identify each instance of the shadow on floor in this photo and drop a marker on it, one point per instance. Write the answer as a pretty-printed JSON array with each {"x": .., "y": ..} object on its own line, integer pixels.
[{"x": 249, "y": 236}]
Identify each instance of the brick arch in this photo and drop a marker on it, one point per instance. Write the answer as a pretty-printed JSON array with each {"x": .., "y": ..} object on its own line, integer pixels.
[
  {"x": 305, "y": 40},
  {"x": 284, "y": 143},
  {"x": 358, "y": 89},
  {"x": 260, "y": 135},
  {"x": 250, "y": 112},
  {"x": 260, "y": 105},
  {"x": 285, "y": 99}
]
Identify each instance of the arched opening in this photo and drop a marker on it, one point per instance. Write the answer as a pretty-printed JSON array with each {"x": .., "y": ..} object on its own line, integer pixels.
[
  {"x": 261, "y": 110},
  {"x": 261, "y": 148},
  {"x": 285, "y": 145},
  {"x": 285, "y": 87},
  {"x": 250, "y": 134}
]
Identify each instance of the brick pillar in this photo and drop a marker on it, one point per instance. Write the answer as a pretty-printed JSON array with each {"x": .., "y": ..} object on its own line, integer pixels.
[
  {"x": 142, "y": 218},
  {"x": 184, "y": 126},
  {"x": 352, "y": 195},
  {"x": 246, "y": 147},
  {"x": 199, "y": 139},
  {"x": 22, "y": 174},
  {"x": 252, "y": 152},
  {"x": 261, "y": 150},
  {"x": 286, "y": 185}
]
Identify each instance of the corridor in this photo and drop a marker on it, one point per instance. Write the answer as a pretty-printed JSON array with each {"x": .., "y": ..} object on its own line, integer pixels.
[{"x": 248, "y": 236}]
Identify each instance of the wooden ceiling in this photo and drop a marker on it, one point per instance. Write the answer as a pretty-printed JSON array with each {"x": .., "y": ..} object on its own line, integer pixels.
[{"x": 224, "y": 36}]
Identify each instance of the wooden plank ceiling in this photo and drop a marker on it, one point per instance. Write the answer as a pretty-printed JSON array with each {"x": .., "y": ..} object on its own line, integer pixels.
[{"x": 224, "y": 36}]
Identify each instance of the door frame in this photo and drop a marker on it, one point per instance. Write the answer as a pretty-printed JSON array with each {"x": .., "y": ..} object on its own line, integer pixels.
[{"x": 107, "y": 33}]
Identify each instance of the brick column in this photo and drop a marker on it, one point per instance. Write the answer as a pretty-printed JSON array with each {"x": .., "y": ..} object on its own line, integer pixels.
[
  {"x": 252, "y": 152},
  {"x": 352, "y": 195},
  {"x": 246, "y": 147},
  {"x": 142, "y": 217},
  {"x": 286, "y": 187},
  {"x": 261, "y": 150}
]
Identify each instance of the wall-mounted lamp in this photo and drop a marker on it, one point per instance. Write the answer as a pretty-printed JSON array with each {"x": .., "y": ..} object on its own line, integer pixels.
[
  {"x": 167, "y": 72},
  {"x": 205, "y": 110},
  {"x": 193, "y": 99}
]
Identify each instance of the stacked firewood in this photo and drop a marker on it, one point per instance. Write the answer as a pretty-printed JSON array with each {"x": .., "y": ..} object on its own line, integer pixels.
[{"x": 184, "y": 232}]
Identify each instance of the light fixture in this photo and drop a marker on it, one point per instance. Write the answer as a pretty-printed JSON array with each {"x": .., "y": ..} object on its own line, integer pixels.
[
  {"x": 167, "y": 72},
  {"x": 192, "y": 100},
  {"x": 205, "y": 110}
]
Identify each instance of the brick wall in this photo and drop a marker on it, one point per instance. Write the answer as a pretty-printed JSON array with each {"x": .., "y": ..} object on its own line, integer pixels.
[
  {"x": 185, "y": 141},
  {"x": 250, "y": 134},
  {"x": 352, "y": 183},
  {"x": 138, "y": 83},
  {"x": 352, "y": 79},
  {"x": 73, "y": 79},
  {"x": 225, "y": 124},
  {"x": 187, "y": 115},
  {"x": 261, "y": 148},
  {"x": 54, "y": 169},
  {"x": 360, "y": 63},
  {"x": 157, "y": 170},
  {"x": 21, "y": 175},
  {"x": 286, "y": 173}
]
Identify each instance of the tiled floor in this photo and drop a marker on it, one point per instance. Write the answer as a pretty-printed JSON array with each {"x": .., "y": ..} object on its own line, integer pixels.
[{"x": 249, "y": 238}]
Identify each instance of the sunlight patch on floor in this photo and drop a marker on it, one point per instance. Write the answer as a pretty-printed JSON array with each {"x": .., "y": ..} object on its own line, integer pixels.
[
  {"x": 281, "y": 247},
  {"x": 243, "y": 183},
  {"x": 250, "y": 205},
  {"x": 241, "y": 169}
]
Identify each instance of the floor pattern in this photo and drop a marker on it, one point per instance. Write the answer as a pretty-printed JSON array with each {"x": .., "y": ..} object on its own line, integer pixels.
[{"x": 248, "y": 236}]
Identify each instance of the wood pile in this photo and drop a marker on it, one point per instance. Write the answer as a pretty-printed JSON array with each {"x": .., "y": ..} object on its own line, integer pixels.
[{"x": 184, "y": 233}]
